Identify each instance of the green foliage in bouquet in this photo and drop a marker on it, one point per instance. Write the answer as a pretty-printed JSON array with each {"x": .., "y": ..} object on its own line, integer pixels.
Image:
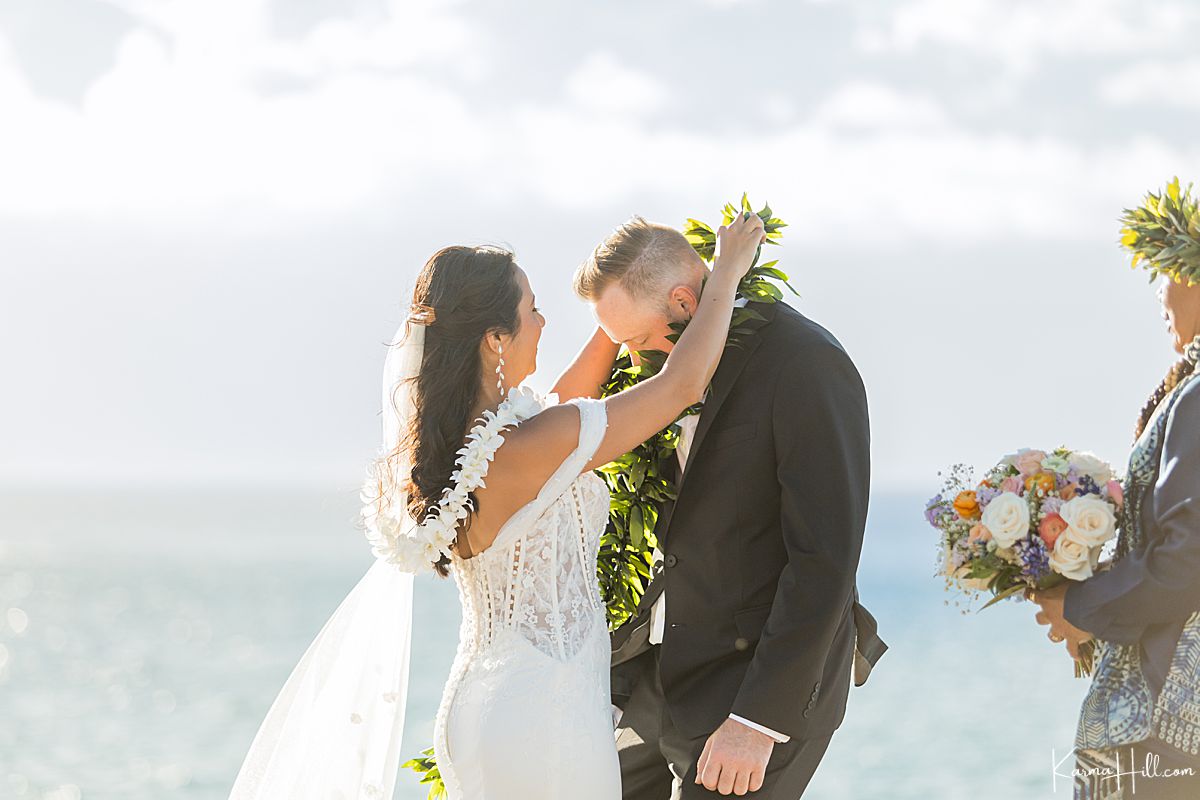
[
  {"x": 638, "y": 481},
  {"x": 1163, "y": 233}
]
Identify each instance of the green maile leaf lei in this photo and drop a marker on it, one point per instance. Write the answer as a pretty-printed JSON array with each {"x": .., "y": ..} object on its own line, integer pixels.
[{"x": 639, "y": 480}]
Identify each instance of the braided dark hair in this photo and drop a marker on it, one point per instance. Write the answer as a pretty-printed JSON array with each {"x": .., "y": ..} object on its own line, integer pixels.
[
  {"x": 462, "y": 294},
  {"x": 1178, "y": 371}
]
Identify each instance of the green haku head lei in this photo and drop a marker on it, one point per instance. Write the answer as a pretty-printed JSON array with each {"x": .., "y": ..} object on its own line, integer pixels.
[{"x": 1163, "y": 233}]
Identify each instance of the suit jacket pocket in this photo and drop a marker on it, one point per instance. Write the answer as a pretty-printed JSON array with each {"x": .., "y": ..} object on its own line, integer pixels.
[
  {"x": 750, "y": 621},
  {"x": 732, "y": 435},
  {"x": 868, "y": 647}
]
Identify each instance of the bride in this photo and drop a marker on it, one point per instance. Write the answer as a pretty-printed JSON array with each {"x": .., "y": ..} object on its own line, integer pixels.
[{"x": 526, "y": 711}]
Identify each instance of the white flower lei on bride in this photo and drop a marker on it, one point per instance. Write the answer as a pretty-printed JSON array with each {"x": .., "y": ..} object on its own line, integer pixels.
[{"x": 396, "y": 537}]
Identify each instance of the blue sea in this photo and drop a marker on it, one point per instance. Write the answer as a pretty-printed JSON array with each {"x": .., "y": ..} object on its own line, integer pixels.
[{"x": 144, "y": 634}]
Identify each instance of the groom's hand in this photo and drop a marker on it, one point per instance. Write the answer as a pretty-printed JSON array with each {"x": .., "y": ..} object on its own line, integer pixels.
[{"x": 734, "y": 759}]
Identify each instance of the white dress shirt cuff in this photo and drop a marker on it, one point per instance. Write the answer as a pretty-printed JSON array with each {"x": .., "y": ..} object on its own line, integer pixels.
[{"x": 776, "y": 735}]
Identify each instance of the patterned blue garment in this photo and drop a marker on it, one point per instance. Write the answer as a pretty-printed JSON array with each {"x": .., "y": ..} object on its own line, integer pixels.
[{"x": 1120, "y": 709}]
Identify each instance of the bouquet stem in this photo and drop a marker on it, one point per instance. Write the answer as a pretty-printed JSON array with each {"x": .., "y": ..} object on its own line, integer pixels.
[{"x": 1085, "y": 665}]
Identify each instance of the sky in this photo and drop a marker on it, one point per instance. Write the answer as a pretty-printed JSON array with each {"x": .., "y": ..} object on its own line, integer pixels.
[{"x": 212, "y": 211}]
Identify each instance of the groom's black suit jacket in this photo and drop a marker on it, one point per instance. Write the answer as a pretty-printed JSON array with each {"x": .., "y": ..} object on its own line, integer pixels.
[{"x": 762, "y": 544}]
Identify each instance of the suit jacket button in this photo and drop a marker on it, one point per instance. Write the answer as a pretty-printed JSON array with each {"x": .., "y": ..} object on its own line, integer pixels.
[
  {"x": 740, "y": 643},
  {"x": 671, "y": 560}
]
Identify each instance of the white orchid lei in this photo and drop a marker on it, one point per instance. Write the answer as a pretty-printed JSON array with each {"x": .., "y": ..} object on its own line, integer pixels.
[{"x": 396, "y": 537}]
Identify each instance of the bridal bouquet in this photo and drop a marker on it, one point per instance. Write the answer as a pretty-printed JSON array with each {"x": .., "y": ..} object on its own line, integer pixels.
[{"x": 1035, "y": 520}]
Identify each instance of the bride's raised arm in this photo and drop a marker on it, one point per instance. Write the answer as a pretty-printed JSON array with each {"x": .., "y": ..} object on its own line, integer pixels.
[
  {"x": 538, "y": 446},
  {"x": 639, "y": 412},
  {"x": 590, "y": 368}
]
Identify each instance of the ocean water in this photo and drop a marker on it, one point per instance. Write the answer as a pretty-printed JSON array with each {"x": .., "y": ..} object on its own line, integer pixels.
[{"x": 143, "y": 635}]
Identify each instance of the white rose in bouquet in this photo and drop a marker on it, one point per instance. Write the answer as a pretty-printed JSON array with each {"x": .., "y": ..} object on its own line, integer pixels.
[
  {"x": 1007, "y": 518},
  {"x": 1093, "y": 466},
  {"x": 1071, "y": 557},
  {"x": 1091, "y": 519}
]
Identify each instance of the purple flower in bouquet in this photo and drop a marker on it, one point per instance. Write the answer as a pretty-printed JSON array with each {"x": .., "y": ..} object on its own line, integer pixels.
[
  {"x": 1051, "y": 505},
  {"x": 1087, "y": 485},
  {"x": 1035, "y": 561},
  {"x": 934, "y": 509},
  {"x": 986, "y": 494}
]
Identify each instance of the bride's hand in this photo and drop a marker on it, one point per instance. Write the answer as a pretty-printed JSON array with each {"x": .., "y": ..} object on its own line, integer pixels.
[{"x": 737, "y": 244}]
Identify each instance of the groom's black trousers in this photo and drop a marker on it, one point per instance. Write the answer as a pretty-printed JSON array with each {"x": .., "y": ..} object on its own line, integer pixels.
[{"x": 659, "y": 763}]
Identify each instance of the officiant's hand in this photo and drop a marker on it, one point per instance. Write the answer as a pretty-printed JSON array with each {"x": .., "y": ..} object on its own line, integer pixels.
[
  {"x": 1051, "y": 603},
  {"x": 734, "y": 759}
]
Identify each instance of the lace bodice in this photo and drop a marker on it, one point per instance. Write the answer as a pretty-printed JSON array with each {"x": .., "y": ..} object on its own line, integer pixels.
[
  {"x": 538, "y": 578},
  {"x": 531, "y": 679}
]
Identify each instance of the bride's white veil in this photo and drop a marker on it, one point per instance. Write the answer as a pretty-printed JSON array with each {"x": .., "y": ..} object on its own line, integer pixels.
[{"x": 334, "y": 730}]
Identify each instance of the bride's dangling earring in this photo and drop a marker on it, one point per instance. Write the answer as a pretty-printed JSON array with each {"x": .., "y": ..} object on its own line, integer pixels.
[{"x": 500, "y": 372}]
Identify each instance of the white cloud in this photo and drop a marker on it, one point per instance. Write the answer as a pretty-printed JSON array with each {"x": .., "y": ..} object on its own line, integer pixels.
[
  {"x": 1155, "y": 83},
  {"x": 860, "y": 105},
  {"x": 911, "y": 176},
  {"x": 777, "y": 107},
  {"x": 178, "y": 125},
  {"x": 930, "y": 230},
  {"x": 604, "y": 85},
  {"x": 234, "y": 33},
  {"x": 1021, "y": 32},
  {"x": 181, "y": 126}
]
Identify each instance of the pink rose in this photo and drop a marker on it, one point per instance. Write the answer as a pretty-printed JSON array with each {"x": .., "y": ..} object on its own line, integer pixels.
[
  {"x": 1013, "y": 484},
  {"x": 979, "y": 533},
  {"x": 1116, "y": 493},
  {"x": 1029, "y": 462},
  {"x": 1050, "y": 528}
]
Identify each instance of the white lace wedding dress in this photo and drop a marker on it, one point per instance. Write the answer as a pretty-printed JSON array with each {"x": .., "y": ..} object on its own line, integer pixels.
[{"x": 526, "y": 713}]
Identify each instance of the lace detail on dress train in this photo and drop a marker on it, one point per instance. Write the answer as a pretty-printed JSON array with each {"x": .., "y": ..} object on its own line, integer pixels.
[{"x": 531, "y": 671}]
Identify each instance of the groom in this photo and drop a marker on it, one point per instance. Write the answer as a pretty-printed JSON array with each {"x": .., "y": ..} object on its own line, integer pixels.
[{"x": 734, "y": 672}]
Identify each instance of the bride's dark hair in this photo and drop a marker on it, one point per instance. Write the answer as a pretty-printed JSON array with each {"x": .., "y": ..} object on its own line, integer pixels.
[{"x": 462, "y": 294}]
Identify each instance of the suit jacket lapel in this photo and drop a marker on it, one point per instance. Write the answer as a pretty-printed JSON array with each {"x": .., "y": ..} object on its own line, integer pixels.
[{"x": 733, "y": 360}]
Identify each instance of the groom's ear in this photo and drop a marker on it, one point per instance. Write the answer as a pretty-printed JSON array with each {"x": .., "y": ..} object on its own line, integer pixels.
[{"x": 683, "y": 302}]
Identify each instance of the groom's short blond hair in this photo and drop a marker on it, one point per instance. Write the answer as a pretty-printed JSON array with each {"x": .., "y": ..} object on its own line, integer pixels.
[{"x": 646, "y": 258}]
